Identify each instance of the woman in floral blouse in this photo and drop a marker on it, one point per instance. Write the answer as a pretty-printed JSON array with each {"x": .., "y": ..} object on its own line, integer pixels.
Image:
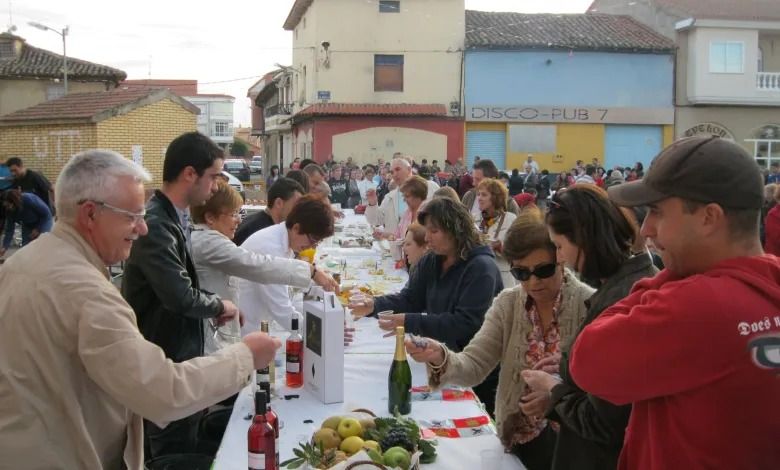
[
  {"x": 496, "y": 220},
  {"x": 525, "y": 325}
]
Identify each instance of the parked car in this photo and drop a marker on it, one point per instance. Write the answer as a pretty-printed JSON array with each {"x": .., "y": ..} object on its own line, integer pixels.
[
  {"x": 237, "y": 167},
  {"x": 235, "y": 183},
  {"x": 256, "y": 165}
]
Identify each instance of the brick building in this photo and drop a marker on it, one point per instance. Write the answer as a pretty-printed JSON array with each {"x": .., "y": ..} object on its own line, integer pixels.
[{"x": 139, "y": 124}]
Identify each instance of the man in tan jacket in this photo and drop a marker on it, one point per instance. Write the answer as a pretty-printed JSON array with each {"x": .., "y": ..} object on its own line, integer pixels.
[{"x": 76, "y": 376}]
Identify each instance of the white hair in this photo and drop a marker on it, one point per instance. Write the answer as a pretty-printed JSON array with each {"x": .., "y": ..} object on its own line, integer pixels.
[
  {"x": 92, "y": 175},
  {"x": 404, "y": 160}
]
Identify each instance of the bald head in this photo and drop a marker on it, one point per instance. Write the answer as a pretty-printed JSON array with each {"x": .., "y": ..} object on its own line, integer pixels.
[{"x": 401, "y": 170}]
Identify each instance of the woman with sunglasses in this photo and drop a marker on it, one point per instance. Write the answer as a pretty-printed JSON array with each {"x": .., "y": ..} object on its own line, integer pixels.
[
  {"x": 449, "y": 290},
  {"x": 524, "y": 326},
  {"x": 220, "y": 263},
  {"x": 593, "y": 237}
]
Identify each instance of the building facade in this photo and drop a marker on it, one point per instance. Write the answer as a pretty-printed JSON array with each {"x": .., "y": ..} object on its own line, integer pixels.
[
  {"x": 370, "y": 90},
  {"x": 139, "y": 124},
  {"x": 29, "y": 75},
  {"x": 728, "y": 83},
  {"x": 565, "y": 88},
  {"x": 272, "y": 106},
  {"x": 728, "y": 66}
]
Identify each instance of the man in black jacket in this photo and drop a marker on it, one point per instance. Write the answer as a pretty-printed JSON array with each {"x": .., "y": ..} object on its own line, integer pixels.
[{"x": 160, "y": 281}]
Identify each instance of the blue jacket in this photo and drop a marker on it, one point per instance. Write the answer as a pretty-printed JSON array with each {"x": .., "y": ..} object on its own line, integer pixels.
[
  {"x": 34, "y": 214},
  {"x": 455, "y": 303}
]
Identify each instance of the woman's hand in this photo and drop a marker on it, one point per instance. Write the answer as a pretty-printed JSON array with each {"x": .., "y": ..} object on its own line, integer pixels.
[
  {"x": 539, "y": 381},
  {"x": 550, "y": 364},
  {"x": 389, "y": 322},
  {"x": 432, "y": 353},
  {"x": 497, "y": 246},
  {"x": 535, "y": 404},
  {"x": 362, "y": 308}
]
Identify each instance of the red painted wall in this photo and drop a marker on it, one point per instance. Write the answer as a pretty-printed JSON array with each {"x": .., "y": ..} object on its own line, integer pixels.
[{"x": 326, "y": 128}]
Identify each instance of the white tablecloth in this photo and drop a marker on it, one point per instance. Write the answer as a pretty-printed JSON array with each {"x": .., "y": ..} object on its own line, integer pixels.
[{"x": 366, "y": 364}]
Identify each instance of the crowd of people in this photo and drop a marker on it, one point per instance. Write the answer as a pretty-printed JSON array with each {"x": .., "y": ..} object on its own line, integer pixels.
[{"x": 625, "y": 319}]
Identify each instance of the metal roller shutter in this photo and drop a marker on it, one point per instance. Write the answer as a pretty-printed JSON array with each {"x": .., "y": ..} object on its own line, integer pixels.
[{"x": 487, "y": 144}]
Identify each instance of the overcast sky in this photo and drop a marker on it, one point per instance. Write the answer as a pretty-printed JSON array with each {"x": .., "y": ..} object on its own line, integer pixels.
[{"x": 225, "y": 45}]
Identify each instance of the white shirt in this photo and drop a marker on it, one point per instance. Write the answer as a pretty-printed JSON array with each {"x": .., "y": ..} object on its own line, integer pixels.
[
  {"x": 533, "y": 165},
  {"x": 267, "y": 301},
  {"x": 584, "y": 179}
]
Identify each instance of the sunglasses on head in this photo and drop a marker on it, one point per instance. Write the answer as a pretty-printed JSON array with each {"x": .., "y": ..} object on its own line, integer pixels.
[{"x": 541, "y": 272}]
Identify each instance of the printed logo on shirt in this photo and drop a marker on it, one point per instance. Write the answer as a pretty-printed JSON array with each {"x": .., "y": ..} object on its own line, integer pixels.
[
  {"x": 758, "y": 326},
  {"x": 765, "y": 351}
]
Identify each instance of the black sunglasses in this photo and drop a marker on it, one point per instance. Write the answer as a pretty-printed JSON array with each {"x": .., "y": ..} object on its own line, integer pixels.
[{"x": 541, "y": 272}]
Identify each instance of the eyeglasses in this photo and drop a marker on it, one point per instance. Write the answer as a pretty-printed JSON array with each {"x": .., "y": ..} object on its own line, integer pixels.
[
  {"x": 541, "y": 272},
  {"x": 313, "y": 242},
  {"x": 235, "y": 215},
  {"x": 134, "y": 217}
]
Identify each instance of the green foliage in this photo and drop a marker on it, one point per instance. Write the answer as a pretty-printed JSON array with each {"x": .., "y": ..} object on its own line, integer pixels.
[{"x": 239, "y": 148}]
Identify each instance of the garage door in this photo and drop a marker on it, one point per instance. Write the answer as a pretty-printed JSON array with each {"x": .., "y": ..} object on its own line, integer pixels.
[
  {"x": 487, "y": 144},
  {"x": 626, "y": 145}
]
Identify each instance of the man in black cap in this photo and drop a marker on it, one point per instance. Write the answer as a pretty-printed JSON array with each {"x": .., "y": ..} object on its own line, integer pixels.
[{"x": 694, "y": 349}]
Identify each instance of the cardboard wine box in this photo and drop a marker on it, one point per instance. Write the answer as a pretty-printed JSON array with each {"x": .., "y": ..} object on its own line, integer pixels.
[{"x": 323, "y": 357}]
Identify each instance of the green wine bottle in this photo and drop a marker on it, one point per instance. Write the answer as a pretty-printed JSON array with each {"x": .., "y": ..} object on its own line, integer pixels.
[{"x": 399, "y": 381}]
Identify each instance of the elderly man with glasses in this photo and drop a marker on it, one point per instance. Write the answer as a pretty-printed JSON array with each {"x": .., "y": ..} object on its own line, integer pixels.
[{"x": 73, "y": 365}]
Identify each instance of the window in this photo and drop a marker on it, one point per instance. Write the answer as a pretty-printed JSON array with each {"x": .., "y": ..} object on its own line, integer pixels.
[
  {"x": 222, "y": 129},
  {"x": 389, "y": 6},
  {"x": 388, "y": 73},
  {"x": 726, "y": 57},
  {"x": 524, "y": 138}
]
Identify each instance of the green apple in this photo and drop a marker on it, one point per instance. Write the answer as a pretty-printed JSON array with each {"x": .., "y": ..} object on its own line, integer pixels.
[
  {"x": 351, "y": 445},
  {"x": 350, "y": 427},
  {"x": 397, "y": 457},
  {"x": 328, "y": 437},
  {"x": 331, "y": 423}
]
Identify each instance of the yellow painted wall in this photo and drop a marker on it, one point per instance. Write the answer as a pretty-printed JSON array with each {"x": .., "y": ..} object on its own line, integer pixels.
[
  {"x": 579, "y": 142},
  {"x": 152, "y": 127},
  {"x": 46, "y": 148},
  {"x": 20, "y": 94},
  {"x": 668, "y": 135}
]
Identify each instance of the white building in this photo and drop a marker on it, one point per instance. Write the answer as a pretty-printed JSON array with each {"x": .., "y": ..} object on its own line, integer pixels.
[{"x": 216, "y": 117}]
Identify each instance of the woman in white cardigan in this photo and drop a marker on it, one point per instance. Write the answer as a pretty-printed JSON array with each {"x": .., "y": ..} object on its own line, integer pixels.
[
  {"x": 524, "y": 329},
  {"x": 496, "y": 220},
  {"x": 219, "y": 261}
]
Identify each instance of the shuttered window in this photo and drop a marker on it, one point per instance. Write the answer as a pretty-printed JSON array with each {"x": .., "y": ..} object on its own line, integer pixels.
[{"x": 388, "y": 72}]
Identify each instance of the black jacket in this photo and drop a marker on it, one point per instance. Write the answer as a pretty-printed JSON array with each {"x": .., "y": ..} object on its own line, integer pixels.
[
  {"x": 592, "y": 429},
  {"x": 161, "y": 285},
  {"x": 455, "y": 302},
  {"x": 253, "y": 223}
]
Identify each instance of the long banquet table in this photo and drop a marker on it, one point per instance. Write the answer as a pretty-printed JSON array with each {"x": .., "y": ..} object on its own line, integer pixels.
[{"x": 366, "y": 364}]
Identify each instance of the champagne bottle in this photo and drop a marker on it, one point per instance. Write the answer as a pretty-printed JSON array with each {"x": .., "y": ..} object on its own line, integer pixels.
[
  {"x": 260, "y": 437},
  {"x": 272, "y": 366},
  {"x": 399, "y": 381}
]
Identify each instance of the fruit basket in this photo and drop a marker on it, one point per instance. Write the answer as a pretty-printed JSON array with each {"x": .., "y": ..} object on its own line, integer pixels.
[{"x": 359, "y": 440}]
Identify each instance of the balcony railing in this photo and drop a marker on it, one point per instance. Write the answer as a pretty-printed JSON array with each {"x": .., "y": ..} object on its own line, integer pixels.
[
  {"x": 278, "y": 109},
  {"x": 768, "y": 81}
]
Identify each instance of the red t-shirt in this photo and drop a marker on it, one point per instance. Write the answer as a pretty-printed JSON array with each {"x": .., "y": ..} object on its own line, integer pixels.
[{"x": 699, "y": 358}]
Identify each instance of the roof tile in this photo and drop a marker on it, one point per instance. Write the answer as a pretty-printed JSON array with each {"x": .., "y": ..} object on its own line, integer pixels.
[
  {"x": 33, "y": 62},
  {"x": 88, "y": 106},
  {"x": 615, "y": 33}
]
